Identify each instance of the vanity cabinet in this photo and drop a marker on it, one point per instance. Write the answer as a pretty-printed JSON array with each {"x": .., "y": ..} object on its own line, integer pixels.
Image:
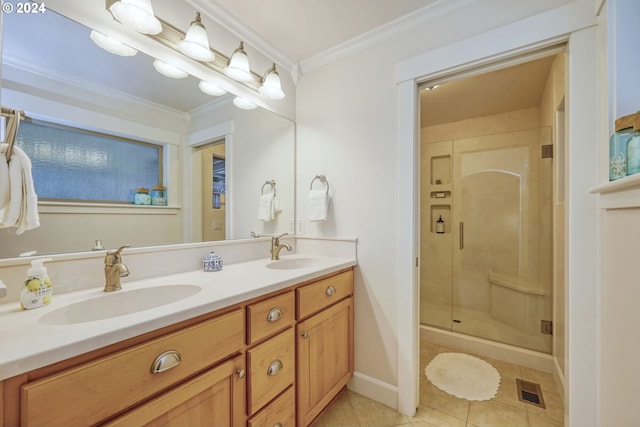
[
  {"x": 96, "y": 390},
  {"x": 276, "y": 360},
  {"x": 324, "y": 342}
]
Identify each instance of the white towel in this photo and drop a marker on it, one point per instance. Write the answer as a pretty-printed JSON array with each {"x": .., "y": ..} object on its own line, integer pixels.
[
  {"x": 22, "y": 208},
  {"x": 266, "y": 208},
  {"x": 5, "y": 188},
  {"x": 318, "y": 205}
]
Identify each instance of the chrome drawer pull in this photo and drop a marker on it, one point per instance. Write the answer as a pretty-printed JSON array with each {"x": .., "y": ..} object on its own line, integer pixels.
[
  {"x": 274, "y": 314},
  {"x": 167, "y": 360},
  {"x": 330, "y": 290},
  {"x": 274, "y": 367},
  {"x": 241, "y": 373}
]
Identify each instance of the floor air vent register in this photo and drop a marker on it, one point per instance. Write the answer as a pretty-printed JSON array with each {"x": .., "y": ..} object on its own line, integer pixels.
[{"x": 530, "y": 393}]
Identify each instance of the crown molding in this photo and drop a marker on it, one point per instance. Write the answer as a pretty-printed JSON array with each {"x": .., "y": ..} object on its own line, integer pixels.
[
  {"x": 418, "y": 17},
  {"x": 45, "y": 75}
]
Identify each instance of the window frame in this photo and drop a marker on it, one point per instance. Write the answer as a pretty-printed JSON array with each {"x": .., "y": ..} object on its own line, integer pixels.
[{"x": 102, "y": 203}]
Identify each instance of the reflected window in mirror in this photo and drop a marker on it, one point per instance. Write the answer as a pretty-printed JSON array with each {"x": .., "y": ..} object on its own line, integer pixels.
[{"x": 72, "y": 164}]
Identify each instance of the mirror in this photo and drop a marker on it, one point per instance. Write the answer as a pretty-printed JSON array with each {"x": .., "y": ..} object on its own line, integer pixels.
[{"x": 53, "y": 71}]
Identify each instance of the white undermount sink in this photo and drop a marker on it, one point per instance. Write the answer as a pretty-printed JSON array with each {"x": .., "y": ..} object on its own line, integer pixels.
[
  {"x": 118, "y": 303},
  {"x": 293, "y": 263}
]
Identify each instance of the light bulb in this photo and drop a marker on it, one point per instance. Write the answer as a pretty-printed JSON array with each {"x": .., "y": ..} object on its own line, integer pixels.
[
  {"x": 211, "y": 88},
  {"x": 196, "y": 43},
  {"x": 271, "y": 87},
  {"x": 169, "y": 70},
  {"x": 137, "y": 14},
  {"x": 111, "y": 45},
  {"x": 238, "y": 68},
  {"x": 243, "y": 103}
]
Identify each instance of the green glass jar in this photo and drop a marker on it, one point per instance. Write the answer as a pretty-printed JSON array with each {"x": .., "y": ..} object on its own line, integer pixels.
[
  {"x": 618, "y": 153},
  {"x": 142, "y": 196},
  {"x": 633, "y": 154}
]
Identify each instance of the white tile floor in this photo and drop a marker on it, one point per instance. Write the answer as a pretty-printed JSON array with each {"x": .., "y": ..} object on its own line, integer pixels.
[{"x": 439, "y": 409}]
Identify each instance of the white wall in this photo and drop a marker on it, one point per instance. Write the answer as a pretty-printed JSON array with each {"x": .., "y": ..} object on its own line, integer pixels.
[
  {"x": 347, "y": 129},
  {"x": 619, "y": 370}
]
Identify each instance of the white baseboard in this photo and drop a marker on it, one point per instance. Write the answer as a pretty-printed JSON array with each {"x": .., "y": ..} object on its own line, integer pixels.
[
  {"x": 374, "y": 389},
  {"x": 560, "y": 381}
]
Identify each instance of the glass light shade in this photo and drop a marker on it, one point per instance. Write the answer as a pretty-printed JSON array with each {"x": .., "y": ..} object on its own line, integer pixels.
[
  {"x": 243, "y": 103},
  {"x": 211, "y": 88},
  {"x": 196, "y": 43},
  {"x": 111, "y": 45},
  {"x": 137, "y": 14},
  {"x": 169, "y": 70},
  {"x": 271, "y": 87},
  {"x": 238, "y": 68}
]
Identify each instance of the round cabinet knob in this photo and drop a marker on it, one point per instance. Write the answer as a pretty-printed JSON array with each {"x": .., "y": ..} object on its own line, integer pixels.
[
  {"x": 330, "y": 290},
  {"x": 304, "y": 335},
  {"x": 241, "y": 373},
  {"x": 278, "y": 425}
]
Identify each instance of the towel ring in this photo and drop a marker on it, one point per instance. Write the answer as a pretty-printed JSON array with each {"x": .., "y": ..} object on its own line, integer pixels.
[
  {"x": 272, "y": 183},
  {"x": 322, "y": 179}
]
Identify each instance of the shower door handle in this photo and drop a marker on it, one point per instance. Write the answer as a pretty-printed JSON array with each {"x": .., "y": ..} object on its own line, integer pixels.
[{"x": 461, "y": 235}]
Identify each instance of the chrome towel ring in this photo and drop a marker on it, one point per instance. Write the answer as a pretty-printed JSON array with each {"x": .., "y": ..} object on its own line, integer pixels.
[{"x": 322, "y": 179}]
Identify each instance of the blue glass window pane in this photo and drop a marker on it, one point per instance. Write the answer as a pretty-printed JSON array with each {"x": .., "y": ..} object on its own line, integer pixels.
[{"x": 70, "y": 164}]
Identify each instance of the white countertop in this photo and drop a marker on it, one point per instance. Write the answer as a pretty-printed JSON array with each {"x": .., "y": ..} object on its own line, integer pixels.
[{"x": 28, "y": 344}]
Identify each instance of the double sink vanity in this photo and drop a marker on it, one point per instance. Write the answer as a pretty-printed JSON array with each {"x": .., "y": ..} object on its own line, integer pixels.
[{"x": 258, "y": 343}]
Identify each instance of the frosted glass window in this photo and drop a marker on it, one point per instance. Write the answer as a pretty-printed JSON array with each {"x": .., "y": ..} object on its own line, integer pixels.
[{"x": 73, "y": 164}]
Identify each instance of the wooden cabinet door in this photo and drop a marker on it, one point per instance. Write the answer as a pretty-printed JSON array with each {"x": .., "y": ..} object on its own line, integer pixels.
[
  {"x": 213, "y": 398},
  {"x": 325, "y": 358}
]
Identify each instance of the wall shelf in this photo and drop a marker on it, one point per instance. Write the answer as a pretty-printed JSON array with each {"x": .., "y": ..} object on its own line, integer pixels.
[{"x": 623, "y": 193}]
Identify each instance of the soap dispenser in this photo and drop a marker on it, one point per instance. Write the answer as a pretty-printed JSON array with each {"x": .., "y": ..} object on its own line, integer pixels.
[
  {"x": 37, "y": 290},
  {"x": 440, "y": 225}
]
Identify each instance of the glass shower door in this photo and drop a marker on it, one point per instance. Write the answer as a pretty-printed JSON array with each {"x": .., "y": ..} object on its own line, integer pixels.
[{"x": 501, "y": 236}]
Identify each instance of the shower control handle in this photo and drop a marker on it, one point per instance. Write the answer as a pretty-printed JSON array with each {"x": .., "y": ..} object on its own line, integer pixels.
[{"x": 461, "y": 235}]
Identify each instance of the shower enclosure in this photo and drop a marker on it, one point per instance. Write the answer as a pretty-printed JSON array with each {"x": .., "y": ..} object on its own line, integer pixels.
[{"x": 486, "y": 237}]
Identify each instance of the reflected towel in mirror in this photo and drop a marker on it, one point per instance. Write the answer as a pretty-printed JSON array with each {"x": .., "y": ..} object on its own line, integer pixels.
[
  {"x": 269, "y": 206},
  {"x": 21, "y": 208},
  {"x": 318, "y": 205}
]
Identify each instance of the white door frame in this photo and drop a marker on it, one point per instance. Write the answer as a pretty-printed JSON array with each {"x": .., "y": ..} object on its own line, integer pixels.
[{"x": 573, "y": 24}]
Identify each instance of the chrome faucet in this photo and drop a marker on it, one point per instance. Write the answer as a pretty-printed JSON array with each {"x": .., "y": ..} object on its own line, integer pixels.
[
  {"x": 276, "y": 246},
  {"x": 114, "y": 269}
]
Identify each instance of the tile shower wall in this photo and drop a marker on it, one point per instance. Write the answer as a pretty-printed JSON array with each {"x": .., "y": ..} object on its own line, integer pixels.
[{"x": 516, "y": 272}]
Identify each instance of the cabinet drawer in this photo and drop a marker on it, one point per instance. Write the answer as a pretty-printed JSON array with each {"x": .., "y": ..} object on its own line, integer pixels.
[
  {"x": 270, "y": 316},
  {"x": 323, "y": 293},
  {"x": 213, "y": 398},
  {"x": 271, "y": 369},
  {"x": 281, "y": 412},
  {"x": 93, "y": 391}
]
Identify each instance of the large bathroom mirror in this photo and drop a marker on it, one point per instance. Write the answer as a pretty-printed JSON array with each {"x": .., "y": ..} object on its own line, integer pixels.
[{"x": 54, "y": 72}]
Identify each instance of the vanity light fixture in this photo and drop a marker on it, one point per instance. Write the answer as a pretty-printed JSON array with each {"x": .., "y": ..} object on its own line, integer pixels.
[
  {"x": 111, "y": 45},
  {"x": 238, "y": 68},
  {"x": 196, "y": 43},
  {"x": 169, "y": 70},
  {"x": 211, "y": 88},
  {"x": 243, "y": 103},
  {"x": 271, "y": 87},
  {"x": 136, "y": 14}
]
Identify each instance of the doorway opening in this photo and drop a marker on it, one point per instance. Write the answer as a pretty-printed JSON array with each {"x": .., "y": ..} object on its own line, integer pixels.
[{"x": 488, "y": 200}]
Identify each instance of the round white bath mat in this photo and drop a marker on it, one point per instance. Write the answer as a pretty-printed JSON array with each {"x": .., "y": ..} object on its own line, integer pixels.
[{"x": 463, "y": 376}]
